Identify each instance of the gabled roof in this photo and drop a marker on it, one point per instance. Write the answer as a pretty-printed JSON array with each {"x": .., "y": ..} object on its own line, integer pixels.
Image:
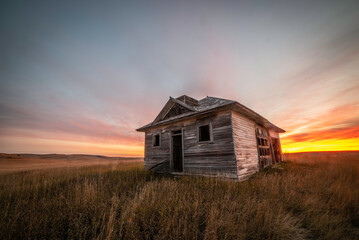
[
  {"x": 204, "y": 106},
  {"x": 170, "y": 103}
]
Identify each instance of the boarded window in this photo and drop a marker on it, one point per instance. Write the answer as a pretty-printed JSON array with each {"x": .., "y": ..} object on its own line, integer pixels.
[
  {"x": 156, "y": 140},
  {"x": 204, "y": 133}
]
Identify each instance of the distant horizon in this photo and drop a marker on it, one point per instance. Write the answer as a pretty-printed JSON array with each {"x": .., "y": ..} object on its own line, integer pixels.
[
  {"x": 102, "y": 155},
  {"x": 85, "y": 154}
]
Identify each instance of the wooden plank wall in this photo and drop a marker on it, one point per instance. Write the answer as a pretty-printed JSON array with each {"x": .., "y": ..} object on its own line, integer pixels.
[
  {"x": 157, "y": 155},
  {"x": 273, "y": 134},
  {"x": 215, "y": 157},
  {"x": 245, "y": 145}
]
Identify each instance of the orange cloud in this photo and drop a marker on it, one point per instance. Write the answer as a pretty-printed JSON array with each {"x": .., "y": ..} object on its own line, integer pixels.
[{"x": 334, "y": 130}]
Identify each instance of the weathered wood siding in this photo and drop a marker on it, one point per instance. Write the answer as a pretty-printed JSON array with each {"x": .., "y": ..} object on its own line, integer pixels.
[
  {"x": 245, "y": 145},
  {"x": 273, "y": 134},
  {"x": 188, "y": 100},
  {"x": 157, "y": 155},
  {"x": 265, "y": 159},
  {"x": 176, "y": 110},
  {"x": 215, "y": 157}
]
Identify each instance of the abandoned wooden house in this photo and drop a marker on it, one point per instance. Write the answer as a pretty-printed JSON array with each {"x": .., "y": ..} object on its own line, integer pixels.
[{"x": 211, "y": 136}]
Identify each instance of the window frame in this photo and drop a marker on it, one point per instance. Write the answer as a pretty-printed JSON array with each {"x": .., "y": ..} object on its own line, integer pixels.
[
  {"x": 210, "y": 132},
  {"x": 263, "y": 143},
  {"x": 154, "y": 140}
]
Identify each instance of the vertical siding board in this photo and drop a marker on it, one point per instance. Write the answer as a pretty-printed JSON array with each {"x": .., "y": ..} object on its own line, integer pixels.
[
  {"x": 245, "y": 145},
  {"x": 234, "y": 145}
]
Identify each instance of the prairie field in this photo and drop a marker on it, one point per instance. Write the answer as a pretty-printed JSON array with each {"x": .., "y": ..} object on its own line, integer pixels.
[
  {"x": 310, "y": 196},
  {"x": 10, "y": 163}
]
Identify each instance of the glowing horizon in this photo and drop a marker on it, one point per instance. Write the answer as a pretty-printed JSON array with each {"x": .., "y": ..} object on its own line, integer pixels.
[{"x": 77, "y": 79}]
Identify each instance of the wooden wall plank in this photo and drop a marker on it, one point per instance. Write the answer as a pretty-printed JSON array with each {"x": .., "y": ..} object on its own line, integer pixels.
[
  {"x": 245, "y": 145},
  {"x": 213, "y": 158}
]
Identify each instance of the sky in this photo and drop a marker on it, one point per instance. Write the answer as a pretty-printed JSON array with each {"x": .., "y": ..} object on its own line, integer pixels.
[{"x": 81, "y": 76}]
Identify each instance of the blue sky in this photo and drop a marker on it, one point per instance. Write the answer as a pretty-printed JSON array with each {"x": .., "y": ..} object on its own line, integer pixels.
[{"x": 80, "y": 76}]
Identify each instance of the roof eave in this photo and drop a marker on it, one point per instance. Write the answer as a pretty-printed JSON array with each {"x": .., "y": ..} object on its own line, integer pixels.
[
  {"x": 276, "y": 129},
  {"x": 194, "y": 114},
  {"x": 256, "y": 117},
  {"x": 232, "y": 106},
  {"x": 280, "y": 130},
  {"x": 141, "y": 129}
]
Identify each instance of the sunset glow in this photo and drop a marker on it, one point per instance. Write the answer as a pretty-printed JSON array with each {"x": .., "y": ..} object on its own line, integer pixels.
[
  {"x": 350, "y": 144},
  {"x": 81, "y": 80}
]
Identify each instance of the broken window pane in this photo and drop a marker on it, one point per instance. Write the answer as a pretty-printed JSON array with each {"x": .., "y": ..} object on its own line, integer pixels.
[
  {"x": 204, "y": 133},
  {"x": 156, "y": 140}
]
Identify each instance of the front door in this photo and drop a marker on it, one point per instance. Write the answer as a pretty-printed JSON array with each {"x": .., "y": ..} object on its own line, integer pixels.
[{"x": 177, "y": 153}]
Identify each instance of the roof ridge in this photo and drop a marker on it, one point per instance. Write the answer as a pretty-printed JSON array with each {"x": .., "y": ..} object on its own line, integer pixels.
[{"x": 225, "y": 99}]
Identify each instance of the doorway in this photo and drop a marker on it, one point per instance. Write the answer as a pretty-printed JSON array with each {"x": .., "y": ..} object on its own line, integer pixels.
[
  {"x": 276, "y": 150},
  {"x": 177, "y": 156}
]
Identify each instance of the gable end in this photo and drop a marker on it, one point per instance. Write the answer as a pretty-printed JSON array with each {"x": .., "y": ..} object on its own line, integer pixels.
[{"x": 175, "y": 111}]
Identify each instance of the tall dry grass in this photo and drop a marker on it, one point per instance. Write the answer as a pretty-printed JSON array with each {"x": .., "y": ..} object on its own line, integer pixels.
[{"x": 293, "y": 201}]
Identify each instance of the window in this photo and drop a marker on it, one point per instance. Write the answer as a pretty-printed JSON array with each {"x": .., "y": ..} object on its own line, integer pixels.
[
  {"x": 264, "y": 151},
  {"x": 156, "y": 140},
  {"x": 263, "y": 144},
  {"x": 204, "y": 133}
]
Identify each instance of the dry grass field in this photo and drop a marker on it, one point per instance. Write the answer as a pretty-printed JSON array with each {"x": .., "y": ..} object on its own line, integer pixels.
[
  {"x": 24, "y": 162},
  {"x": 300, "y": 199}
]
